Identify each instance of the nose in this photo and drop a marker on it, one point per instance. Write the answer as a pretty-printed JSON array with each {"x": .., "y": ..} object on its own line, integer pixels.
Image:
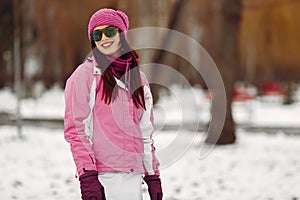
[{"x": 104, "y": 37}]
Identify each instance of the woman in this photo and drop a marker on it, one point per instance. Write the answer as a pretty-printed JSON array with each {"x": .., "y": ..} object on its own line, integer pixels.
[{"x": 109, "y": 118}]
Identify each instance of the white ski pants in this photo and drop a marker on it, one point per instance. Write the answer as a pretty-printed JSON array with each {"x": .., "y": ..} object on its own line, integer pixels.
[{"x": 121, "y": 186}]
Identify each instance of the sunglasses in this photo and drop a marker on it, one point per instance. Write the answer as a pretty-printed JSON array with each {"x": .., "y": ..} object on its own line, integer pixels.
[{"x": 109, "y": 32}]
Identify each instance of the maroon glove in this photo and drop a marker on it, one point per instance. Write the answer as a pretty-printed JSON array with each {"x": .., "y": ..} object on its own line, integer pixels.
[
  {"x": 154, "y": 187},
  {"x": 91, "y": 188}
]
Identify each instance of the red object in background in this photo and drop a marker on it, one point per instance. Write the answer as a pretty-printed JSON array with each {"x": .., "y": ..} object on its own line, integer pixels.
[
  {"x": 242, "y": 95},
  {"x": 273, "y": 88},
  {"x": 239, "y": 94}
]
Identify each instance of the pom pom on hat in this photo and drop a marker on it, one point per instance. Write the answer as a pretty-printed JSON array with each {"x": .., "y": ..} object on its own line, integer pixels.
[{"x": 110, "y": 17}]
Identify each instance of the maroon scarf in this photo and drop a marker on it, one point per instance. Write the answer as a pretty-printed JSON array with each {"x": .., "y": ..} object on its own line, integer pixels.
[{"x": 121, "y": 65}]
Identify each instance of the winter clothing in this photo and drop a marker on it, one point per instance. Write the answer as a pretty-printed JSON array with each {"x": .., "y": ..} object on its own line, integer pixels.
[
  {"x": 123, "y": 186},
  {"x": 108, "y": 138},
  {"x": 107, "y": 16},
  {"x": 120, "y": 66},
  {"x": 90, "y": 186},
  {"x": 154, "y": 187},
  {"x": 112, "y": 140}
]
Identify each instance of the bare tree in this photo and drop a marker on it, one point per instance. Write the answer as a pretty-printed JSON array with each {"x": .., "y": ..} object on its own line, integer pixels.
[
  {"x": 6, "y": 36},
  {"x": 160, "y": 55},
  {"x": 227, "y": 59}
]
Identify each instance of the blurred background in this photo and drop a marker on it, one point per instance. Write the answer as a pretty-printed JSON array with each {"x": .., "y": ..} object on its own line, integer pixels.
[
  {"x": 53, "y": 37},
  {"x": 255, "y": 44}
]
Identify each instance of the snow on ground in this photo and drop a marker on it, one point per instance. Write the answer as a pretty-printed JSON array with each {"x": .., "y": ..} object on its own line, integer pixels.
[
  {"x": 49, "y": 106},
  {"x": 258, "y": 166},
  {"x": 36, "y": 167},
  {"x": 178, "y": 105}
]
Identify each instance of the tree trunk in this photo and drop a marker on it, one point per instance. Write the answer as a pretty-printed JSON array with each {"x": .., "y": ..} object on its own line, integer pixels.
[
  {"x": 159, "y": 57},
  {"x": 6, "y": 49},
  {"x": 227, "y": 60}
]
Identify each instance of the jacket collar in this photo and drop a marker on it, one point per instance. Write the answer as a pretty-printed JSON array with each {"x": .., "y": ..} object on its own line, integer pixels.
[{"x": 97, "y": 70}]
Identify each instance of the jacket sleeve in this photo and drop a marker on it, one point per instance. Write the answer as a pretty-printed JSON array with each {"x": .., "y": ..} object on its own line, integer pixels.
[
  {"x": 79, "y": 99},
  {"x": 151, "y": 163}
]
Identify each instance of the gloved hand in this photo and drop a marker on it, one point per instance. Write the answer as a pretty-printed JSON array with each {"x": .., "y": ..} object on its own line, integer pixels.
[
  {"x": 91, "y": 188},
  {"x": 154, "y": 187}
]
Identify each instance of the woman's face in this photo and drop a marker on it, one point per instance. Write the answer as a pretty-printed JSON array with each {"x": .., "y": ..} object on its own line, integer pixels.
[{"x": 109, "y": 45}]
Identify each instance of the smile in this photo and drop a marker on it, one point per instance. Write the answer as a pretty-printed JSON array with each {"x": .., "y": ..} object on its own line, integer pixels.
[{"x": 107, "y": 45}]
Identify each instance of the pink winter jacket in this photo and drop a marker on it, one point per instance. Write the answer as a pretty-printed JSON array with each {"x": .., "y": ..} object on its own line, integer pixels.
[{"x": 108, "y": 138}]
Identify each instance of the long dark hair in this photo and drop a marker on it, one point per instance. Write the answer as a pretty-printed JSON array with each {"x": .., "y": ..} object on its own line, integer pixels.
[{"x": 108, "y": 80}]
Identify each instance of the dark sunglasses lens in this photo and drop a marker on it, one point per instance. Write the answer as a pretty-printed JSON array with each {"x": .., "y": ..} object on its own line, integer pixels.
[
  {"x": 97, "y": 35},
  {"x": 110, "y": 31}
]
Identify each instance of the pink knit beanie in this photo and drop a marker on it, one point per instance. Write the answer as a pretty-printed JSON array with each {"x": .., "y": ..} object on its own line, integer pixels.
[{"x": 107, "y": 16}]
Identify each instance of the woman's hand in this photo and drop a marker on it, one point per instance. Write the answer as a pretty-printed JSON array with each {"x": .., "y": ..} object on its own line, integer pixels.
[
  {"x": 91, "y": 188},
  {"x": 154, "y": 187}
]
